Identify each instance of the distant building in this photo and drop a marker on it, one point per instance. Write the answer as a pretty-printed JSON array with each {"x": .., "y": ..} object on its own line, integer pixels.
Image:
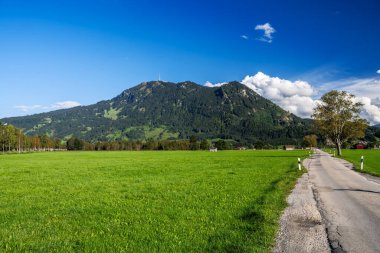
[
  {"x": 289, "y": 147},
  {"x": 359, "y": 146},
  {"x": 213, "y": 150}
]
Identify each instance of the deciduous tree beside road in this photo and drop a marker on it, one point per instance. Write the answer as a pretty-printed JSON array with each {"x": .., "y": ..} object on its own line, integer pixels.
[{"x": 337, "y": 117}]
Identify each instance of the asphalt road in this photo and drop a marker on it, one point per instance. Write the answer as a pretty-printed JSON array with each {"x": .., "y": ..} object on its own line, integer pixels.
[{"x": 349, "y": 204}]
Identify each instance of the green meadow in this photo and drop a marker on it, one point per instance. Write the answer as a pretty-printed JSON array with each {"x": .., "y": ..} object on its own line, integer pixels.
[
  {"x": 180, "y": 201},
  {"x": 371, "y": 160}
]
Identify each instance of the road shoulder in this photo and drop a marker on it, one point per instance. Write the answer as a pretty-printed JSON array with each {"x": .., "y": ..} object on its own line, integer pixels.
[
  {"x": 301, "y": 226},
  {"x": 350, "y": 166}
]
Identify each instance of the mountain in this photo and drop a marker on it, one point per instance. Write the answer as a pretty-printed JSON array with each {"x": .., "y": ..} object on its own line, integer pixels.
[
  {"x": 378, "y": 125},
  {"x": 164, "y": 110}
]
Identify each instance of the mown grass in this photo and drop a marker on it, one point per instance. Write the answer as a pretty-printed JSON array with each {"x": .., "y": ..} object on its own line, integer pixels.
[
  {"x": 144, "y": 201},
  {"x": 371, "y": 160}
]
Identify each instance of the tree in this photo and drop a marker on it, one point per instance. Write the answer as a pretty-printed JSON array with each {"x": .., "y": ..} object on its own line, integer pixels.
[
  {"x": 223, "y": 145},
  {"x": 310, "y": 140},
  {"x": 194, "y": 145},
  {"x": 2, "y": 137},
  {"x": 204, "y": 145},
  {"x": 337, "y": 117}
]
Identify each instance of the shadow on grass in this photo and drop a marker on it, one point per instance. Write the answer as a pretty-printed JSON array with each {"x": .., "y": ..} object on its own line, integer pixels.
[{"x": 255, "y": 229}]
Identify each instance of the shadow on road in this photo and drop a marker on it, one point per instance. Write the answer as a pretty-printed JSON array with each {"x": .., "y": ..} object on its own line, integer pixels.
[{"x": 356, "y": 190}]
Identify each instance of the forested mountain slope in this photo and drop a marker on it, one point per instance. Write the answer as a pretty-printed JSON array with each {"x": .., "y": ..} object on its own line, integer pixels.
[{"x": 164, "y": 110}]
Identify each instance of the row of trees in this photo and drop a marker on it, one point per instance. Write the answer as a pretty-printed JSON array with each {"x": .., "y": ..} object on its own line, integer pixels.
[
  {"x": 13, "y": 139},
  {"x": 193, "y": 143}
]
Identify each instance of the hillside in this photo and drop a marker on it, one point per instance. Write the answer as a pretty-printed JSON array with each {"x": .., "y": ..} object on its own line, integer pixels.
[{"x": 164, "y": 110}]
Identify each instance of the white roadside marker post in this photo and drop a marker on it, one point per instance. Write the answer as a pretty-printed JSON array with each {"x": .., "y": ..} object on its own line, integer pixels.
[
  {"x": 299, "y": 163},
  {"x": 362, "y": 162}
]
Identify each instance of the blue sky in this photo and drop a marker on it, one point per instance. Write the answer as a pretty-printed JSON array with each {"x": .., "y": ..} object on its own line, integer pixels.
[{"x": 52, "y": 52}]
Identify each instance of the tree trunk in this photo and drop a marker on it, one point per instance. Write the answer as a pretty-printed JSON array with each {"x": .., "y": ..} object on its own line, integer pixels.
[{"x": 338, "y": 148}]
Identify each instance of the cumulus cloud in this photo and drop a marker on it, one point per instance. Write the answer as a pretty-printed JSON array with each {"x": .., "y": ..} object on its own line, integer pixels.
[
  {"x": 40, "y": 108},
  {"x": 300, "y": 97},
  {"x": 378, "y": 72},
  {"x": 296, "y": 97},
  {"x": 268, "y": 31},
  {"x": 366, "y": 90},
  {"x": 365, "y": 87},
  {"x": 246, "y": 38},
  {"x": 211, "y": 85},
  {"x": 370, "y": 111},
  {"x": 376, "y": 101}
]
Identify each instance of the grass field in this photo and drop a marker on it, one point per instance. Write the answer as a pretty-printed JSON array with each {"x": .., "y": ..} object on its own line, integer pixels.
[
  {"x": 371, "y": 160},
  {"x": 144, "y": 201}
]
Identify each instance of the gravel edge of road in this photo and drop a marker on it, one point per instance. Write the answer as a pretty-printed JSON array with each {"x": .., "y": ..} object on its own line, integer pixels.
[{"x": 301, "y": 225}]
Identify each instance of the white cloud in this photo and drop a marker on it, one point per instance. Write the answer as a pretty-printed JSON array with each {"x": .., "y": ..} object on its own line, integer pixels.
[
  {"x": 365, "y": 87},
  {"x": 211, "y": 85},
  {"x": 376, "y": 101},
  {"x": 65, "y": 105},
  {"x": 244, "y": 37},
  {"x": 40, "y": 108},
  {"x": 268, "y": 31},
  {"x": 300, "y": 97},
  {"x": 295, "y": 97},
  {"x": 378, "y": 72},
  {"x": 370, "y": 111}
]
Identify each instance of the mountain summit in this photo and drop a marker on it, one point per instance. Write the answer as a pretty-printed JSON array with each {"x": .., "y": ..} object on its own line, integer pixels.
[{"x": 165, "y": 110}]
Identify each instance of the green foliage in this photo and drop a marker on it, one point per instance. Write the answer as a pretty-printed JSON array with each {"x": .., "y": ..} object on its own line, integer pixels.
[
  {"x": 144, "y": 201},
  {"x": 372, "y": 136},
  {"x": 310, "y": 141},
  {"x": 194, "y": 144},
  {"x": 204, "y": 145},
  {"x": 75, "y": 144},
  {"x": 337, "y": 117},
  {"x": 163, "y": 110},
  {"x": 12, "y": 139},
  {"x": 223, "y": 145}
]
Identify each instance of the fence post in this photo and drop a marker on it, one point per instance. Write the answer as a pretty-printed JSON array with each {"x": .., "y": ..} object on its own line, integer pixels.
[
  {"x": 362, "y": 162},
  {"x": 299, "y": 163}
]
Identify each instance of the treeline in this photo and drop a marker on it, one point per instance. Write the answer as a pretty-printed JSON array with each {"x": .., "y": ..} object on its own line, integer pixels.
[
  {"x": 13, "y": 139},
  {"x": 192, "y": 144}
]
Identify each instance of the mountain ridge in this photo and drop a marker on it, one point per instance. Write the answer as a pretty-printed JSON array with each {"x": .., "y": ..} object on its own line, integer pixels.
[{"x": 166, "y": 110}]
